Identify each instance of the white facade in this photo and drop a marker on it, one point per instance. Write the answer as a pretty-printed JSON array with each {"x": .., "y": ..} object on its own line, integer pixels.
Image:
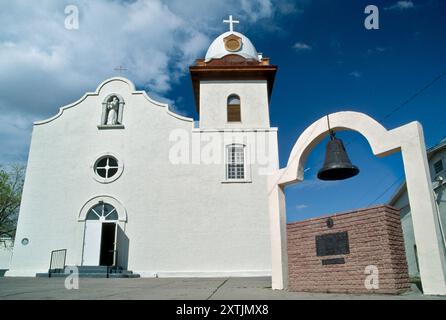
[
  {"x": 437, "y": 166},
  {"x": 178, "y": 214},
  {"x": 253, "y": 96},
  {"x": 6, "y": 245}
]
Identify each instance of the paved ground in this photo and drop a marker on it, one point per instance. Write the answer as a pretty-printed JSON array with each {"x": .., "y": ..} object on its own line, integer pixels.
[{"x": 167, "y": 288}]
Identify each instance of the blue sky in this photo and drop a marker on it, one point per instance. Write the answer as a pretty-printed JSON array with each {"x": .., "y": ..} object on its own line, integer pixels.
[
  {"x": 343, "y": 66},
  {"x": 327, "y": 62}
]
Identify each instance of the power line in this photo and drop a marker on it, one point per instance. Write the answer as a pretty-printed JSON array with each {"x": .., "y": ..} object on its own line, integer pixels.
[
  {"x": 412, "y": 97},
  {"x": 407, "y": 101},
  {"x": 398, "y": 108},
  {"x": 385, "y": 191},
  {"x": 398, "y": 180},
  {"x": 392, "y": 112},
  {"x": 403, "y": 104}
]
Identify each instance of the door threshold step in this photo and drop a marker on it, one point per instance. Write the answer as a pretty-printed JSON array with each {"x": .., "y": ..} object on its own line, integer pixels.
[{"x": 91, "y": 272}]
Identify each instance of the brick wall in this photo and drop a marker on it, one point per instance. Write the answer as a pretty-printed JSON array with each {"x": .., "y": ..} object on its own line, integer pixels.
[{"x": 374, "y": 238}]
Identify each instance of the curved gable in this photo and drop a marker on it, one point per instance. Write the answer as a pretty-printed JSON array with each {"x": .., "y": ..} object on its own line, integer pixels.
[{"x": 118, "y": 85}]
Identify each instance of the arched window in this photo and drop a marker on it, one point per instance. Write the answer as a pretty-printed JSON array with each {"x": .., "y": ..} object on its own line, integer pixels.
[
  {"x": 105, "y": 207},
  {"x": 102, "y": 211},
  {"x": 235, "y": 162},
  {"x": 234, "y": 114}
]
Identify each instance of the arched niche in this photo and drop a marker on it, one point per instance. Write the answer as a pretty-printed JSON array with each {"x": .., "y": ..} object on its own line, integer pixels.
[
  {"x": 409, "y": 140},
  {"x": 105, "y": 111}
]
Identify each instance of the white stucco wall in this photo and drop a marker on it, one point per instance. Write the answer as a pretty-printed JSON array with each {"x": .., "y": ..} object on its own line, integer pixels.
[
  {"x": 402, "y": 203},
  {"x": 182, "y": 219},
  {"x": 253, "y": 99},
  {"x": 6, "y": 246}
]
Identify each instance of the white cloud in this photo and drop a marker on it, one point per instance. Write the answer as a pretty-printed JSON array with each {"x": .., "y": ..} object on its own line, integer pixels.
[
  {"x": 301, "y": 206},
  {"x": 15, "y": 133},
  {"x": 300, "y": 46},
  {"x": 336, "y": 46},
  {"x": 356, "y": 74},
  {"x": 401, "y": 5},
  {"x": 376, "y": 51},
  {"x": 257, "y": 9},
  {"x": 45, "y": 66},
  {"x": 288, "y": 7}
]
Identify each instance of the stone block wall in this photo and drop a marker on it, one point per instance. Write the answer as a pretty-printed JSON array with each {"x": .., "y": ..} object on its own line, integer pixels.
[{"x": 375, "y": 239}]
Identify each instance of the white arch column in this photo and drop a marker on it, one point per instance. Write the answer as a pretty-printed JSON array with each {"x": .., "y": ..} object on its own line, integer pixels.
[{"x": 409, "y": 140}]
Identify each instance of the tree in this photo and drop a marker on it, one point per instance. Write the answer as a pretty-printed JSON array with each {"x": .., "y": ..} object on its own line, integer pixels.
[{"x": 11, "y": 186}]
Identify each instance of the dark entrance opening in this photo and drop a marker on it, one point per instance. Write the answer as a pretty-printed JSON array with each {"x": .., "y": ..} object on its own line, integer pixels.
[{"x": 107, "y": 244}]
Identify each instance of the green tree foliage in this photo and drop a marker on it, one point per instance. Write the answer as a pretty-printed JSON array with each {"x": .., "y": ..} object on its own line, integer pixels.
[{"x": 11, "y": 186}]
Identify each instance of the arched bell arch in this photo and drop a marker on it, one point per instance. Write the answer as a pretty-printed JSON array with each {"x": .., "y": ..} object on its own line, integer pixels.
[{"x": 409, "y": 140}]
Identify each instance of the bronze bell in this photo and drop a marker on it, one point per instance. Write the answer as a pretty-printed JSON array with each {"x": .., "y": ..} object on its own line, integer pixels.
[{"x": 337, "y": 165}]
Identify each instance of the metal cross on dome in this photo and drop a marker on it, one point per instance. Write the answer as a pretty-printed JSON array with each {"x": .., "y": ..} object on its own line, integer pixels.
[{"x": 231, "y": 23}]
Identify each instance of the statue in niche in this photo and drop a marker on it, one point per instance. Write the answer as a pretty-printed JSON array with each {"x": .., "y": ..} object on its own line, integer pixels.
[{"x": 112, "y": 111}]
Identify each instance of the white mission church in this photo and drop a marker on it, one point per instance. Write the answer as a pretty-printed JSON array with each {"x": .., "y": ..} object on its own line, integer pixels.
[{"x": 114, "y": 178}]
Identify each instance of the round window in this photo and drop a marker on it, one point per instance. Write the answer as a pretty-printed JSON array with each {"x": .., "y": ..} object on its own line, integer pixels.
[
  {"x": 25, "y": 241},
  {"x": 106, "y": 167}
]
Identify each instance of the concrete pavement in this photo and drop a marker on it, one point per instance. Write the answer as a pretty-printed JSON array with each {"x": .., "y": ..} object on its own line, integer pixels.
[{"x": 169, "y": 289}]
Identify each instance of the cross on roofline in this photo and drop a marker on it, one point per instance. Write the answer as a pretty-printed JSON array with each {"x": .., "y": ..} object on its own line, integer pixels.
[
  {"x": 231, "y": 23},
  {"x": 120, "y": 69}
]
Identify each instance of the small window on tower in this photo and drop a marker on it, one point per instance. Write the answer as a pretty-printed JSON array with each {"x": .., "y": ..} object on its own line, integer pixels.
[
  {"x": 235, "y": 163},
  {"x": 234, "y": 114}
]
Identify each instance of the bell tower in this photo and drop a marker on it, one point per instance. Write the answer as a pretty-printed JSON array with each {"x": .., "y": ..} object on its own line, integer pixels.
[{"x": 233, "y": 83}]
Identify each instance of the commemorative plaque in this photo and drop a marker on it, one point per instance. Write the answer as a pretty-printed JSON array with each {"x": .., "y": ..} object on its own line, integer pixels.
[{"x": 332, "y": 244}]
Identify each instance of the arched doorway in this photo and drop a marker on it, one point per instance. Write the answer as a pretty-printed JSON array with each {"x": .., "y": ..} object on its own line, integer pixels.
[
  {"x": 409, "y": 140},
  {"x": 102, "y": 231},
  {"x": 100, "y": 235}
]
